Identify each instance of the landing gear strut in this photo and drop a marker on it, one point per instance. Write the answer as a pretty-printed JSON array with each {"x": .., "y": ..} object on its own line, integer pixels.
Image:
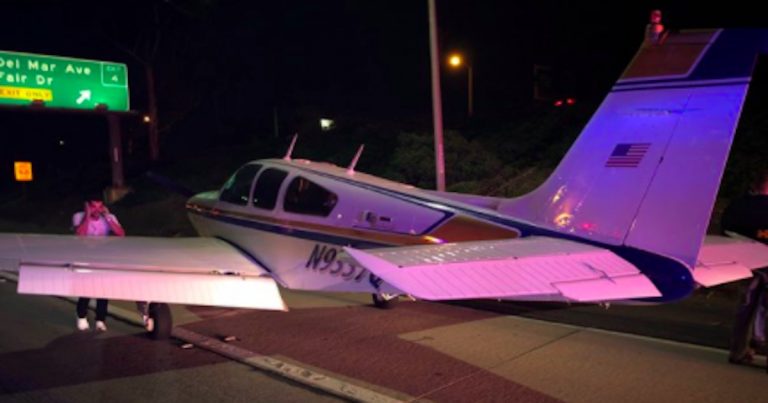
[
  {"x": 163, "y": 321},
  {"x": 385, "y": 300}
]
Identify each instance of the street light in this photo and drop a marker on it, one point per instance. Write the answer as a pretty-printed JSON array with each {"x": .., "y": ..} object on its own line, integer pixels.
[
  {"x": 437, "y": 107},
  {"x": 456, "y": 61}
]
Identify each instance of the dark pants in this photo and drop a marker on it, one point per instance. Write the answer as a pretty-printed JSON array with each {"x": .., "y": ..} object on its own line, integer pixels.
[
  {"x": 101, "y": 308},
  {"x": 744, "y": 329}
]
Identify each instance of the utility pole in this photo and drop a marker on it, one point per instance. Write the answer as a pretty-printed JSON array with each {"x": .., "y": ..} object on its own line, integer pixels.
[
  {"x": 470, "y": 92},
  {"x": 437, "y": 108},
  {"x": 154, "y": 135},
  {"x": 275, "y": 122}
]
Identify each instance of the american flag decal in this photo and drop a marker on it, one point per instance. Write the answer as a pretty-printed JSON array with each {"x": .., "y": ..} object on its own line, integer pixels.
[{"x": 627, "y": 155}]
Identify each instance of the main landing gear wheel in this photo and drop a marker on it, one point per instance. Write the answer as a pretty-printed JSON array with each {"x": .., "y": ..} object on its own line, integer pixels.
[
  {"x": 163, "y": 321},
  {"x": 384, "y": 300}
]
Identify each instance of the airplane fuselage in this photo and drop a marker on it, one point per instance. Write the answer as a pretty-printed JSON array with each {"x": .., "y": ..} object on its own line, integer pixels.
[{"x": 294, "y": 217}]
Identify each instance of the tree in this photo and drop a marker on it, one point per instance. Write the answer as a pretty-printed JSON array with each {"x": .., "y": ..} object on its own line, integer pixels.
[{"x": 467, "y": 163}]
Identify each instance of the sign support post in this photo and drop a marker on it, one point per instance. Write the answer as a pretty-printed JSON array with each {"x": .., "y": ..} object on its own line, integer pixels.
[{"x": 118, "y": 188}]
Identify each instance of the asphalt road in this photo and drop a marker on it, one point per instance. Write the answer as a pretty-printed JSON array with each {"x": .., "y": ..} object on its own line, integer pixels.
[
  {"x": 705, "y": 318},
  {"x": 439, "y": 352},
  {"x": 43, "y": 358},
  {"x": 418, "y": 351}
]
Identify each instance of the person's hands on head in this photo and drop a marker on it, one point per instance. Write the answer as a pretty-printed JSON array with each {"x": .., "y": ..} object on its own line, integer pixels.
[{"x": 95, "y": 209}]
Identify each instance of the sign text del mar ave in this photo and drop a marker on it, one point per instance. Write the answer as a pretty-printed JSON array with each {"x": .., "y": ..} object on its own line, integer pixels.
[{"x": 62, "y": 82}]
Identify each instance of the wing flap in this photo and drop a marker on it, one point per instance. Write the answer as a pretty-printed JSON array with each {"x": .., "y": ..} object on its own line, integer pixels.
[
  {"x": 625, "y": 287},
  {"x": 722, "y": 260},
  {"x": 531, "y": 268},
  {"x": 199, "y": 271}
]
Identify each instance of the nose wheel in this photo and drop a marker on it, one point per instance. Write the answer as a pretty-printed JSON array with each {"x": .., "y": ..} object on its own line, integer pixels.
[{"x": 162, "y": 321}]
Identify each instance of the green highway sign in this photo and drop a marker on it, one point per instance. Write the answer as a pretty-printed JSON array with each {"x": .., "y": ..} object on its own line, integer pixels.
[{"x": 62, "y": 82}]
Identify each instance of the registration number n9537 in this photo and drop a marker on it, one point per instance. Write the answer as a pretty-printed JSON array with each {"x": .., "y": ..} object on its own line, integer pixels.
[{"x": 328, "y": 260}]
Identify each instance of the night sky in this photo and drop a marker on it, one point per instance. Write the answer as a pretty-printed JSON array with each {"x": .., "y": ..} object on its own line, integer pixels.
[
  {"x": 223, "y": 68},
  {"x": 366, "y": 56}
]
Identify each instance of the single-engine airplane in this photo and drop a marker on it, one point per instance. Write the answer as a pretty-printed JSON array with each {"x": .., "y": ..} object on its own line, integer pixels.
[{"x": 623, "y": 218}]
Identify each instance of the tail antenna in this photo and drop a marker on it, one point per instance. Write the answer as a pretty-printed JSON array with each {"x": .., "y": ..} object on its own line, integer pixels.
[
  {"x": 353, "y": 164},
  {"x": 290, "y": 147}
]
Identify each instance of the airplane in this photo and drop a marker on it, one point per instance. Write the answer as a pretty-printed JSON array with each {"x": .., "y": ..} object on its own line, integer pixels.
[{"x": 622, "y": 219}]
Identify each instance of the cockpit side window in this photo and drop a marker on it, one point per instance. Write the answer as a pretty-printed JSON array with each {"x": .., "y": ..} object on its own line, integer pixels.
[
  {"x": 267, "y": 186},
  {"x": 306, "y": 197},
  {"x": 238, "y": 186}
]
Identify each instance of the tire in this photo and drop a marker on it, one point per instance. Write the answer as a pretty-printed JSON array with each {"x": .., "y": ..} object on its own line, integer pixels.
[
  {"x": 161, "y": 314},
  {"x": 385, "y": 301}
]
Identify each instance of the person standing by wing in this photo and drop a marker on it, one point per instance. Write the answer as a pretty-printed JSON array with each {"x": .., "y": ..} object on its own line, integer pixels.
[
  {"x": 94, "y": 220},
  {"x": 747, "y": 216}
]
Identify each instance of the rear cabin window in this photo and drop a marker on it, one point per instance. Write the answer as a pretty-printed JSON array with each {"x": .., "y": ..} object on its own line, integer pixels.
[
  {"x": 238, "y": 186},
  {"x": 306, "y": 197},
  {"x": 267, "y": 186}
]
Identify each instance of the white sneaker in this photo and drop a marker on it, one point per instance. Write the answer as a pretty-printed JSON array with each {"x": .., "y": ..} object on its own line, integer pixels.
[
  {"x": 82, "y": 324},
  {"x": 101, "y": 326},
  {"x": 149, "y": 323}
]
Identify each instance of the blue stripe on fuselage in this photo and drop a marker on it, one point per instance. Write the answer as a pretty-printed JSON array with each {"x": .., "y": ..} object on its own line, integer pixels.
[
  {"x": 289, "y": 231},
  {"x": 246, "y": 254}
]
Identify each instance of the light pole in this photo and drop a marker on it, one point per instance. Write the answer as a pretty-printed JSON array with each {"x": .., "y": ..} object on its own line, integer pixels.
[
  {"x": 437, "y": 109},
  {"x": 456, "y": 61}
]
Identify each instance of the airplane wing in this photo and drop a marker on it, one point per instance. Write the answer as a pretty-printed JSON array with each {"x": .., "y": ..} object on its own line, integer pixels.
[
  {"x": 532, "y": 268},
  {"x": 199, "y": 271},
  {"x": 723, "y": 259}
]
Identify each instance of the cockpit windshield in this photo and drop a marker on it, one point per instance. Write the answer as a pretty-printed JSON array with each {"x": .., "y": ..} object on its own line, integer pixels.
[{"x": 237, "y": 188}]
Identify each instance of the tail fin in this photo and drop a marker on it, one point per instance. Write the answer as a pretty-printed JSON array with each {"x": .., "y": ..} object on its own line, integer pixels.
[{"x": 646, "y": 169}]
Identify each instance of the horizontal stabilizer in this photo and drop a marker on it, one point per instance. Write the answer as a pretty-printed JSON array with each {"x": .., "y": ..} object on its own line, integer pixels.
[
  {"x": 533, "y": 268},
  {"x": 722, "y": 260}
]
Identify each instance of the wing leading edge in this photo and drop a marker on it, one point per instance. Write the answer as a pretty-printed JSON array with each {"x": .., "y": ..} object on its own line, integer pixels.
[
  {"x": 200, "y": 271},
  {"x": 533, "y": 268}
]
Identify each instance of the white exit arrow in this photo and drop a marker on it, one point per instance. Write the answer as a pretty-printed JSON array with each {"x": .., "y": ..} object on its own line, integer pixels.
[{"x": 85, "y": 95}]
